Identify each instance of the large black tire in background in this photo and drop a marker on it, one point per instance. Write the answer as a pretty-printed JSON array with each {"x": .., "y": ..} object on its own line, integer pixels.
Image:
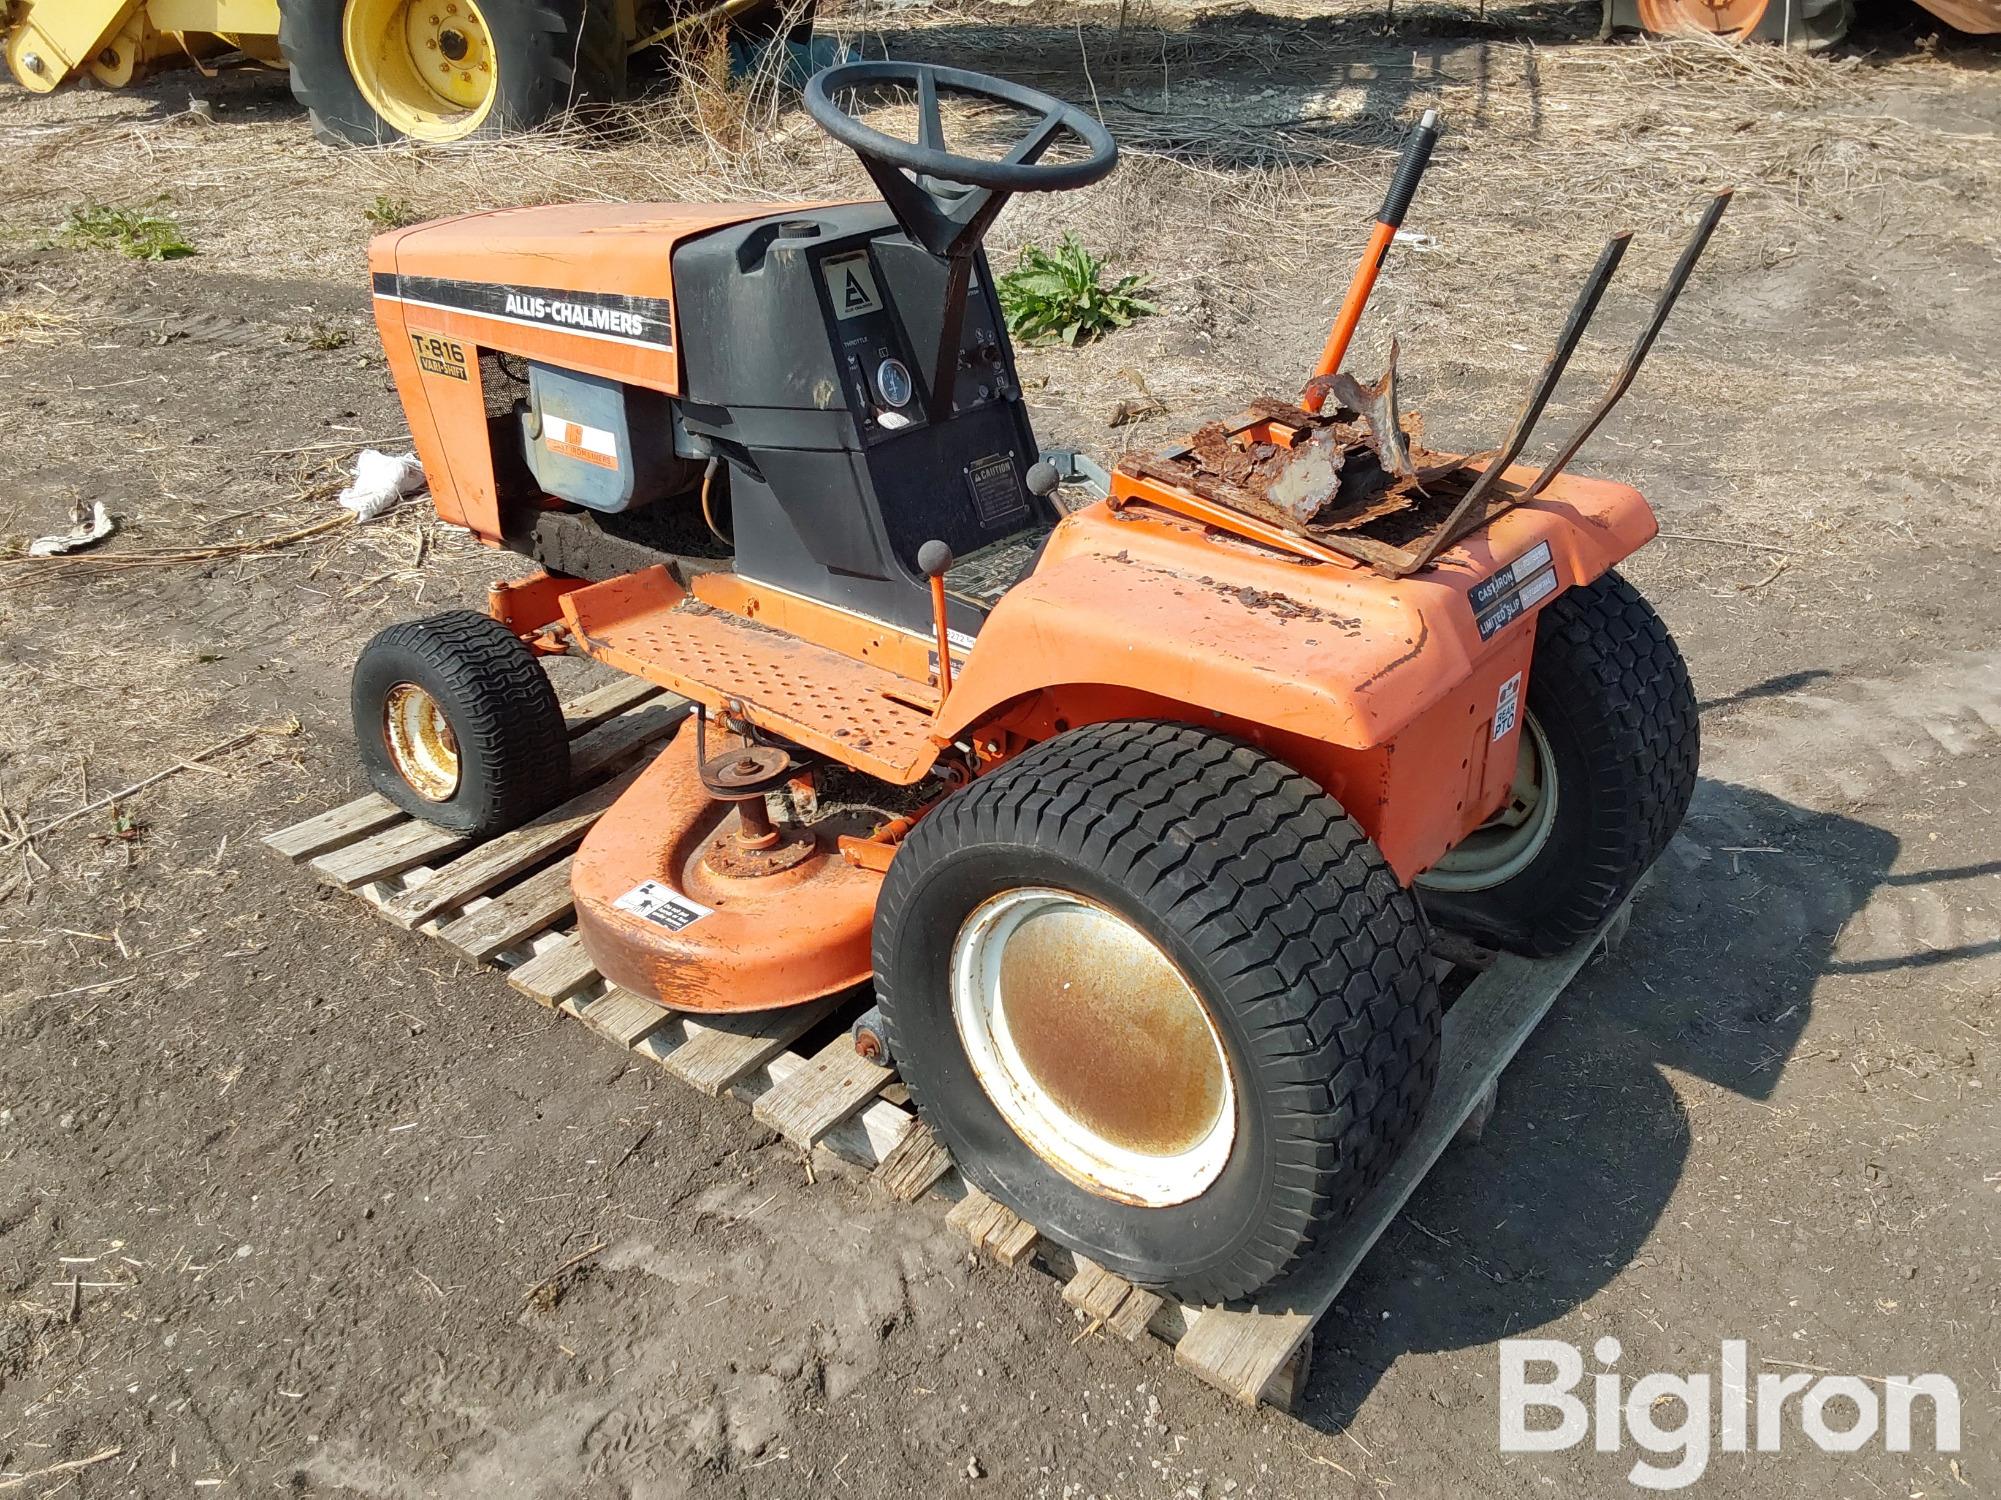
[
  {"x": 506, "y": 744},
  {"x": 1273, "y": 910},
  {"x": 1609, "y": 697},
  {"x": 551, "y": 55}
]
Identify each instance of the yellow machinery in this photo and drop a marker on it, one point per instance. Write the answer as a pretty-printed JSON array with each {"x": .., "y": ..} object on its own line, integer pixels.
[{"x": 373, "y": 71}]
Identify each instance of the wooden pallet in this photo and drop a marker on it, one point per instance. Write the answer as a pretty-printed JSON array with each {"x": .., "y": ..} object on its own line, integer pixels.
[{"x": 506, "y": 902}]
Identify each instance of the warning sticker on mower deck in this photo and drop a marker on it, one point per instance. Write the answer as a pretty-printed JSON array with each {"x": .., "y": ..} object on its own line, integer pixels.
[
  {"x": 662, "y": 906},
  {"x": 1501, "y": 599}
]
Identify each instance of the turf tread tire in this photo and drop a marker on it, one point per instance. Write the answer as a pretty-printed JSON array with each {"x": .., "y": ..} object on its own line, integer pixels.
[
  {"x": 1258, "y": 883},
  {"x": 514, "y": 749},
  {"x": 1610, "y": 690}
]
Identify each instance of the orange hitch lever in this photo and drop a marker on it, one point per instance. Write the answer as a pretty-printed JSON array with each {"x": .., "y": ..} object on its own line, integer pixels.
[
  {"x": 1389, "y": 219},
  {"x": 934, "y": 559}
]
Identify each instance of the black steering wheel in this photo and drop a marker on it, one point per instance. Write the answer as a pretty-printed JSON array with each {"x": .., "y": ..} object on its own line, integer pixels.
[
  {"x": 1020, "y": 171},
  {"x": 942, "y": 200}
]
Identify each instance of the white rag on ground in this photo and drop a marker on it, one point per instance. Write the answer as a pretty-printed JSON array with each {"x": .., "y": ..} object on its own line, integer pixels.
[
  {"x": 87, "y": 529},
  {"x": 381, "y": 480}
]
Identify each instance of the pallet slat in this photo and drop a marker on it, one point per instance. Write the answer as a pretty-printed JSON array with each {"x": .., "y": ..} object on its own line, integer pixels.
[
  {"x": 537, "y": 902},
  {"x": 336, "y": 826},
  {"x": 390, "y": 852},
  {"x": 1135, "y": 1313},
  {"x": 595, "y": 752},
  {"x": 863, "y": 1139},
  {"x": 914, "y": 1167},
  {"x": 478, "y": 871},
  {"x": 550, "y": 975},
  {"x": 837, "y": 1083},
  {"x": 722, "y": 1050},
  {"x": 1242, "y": 1353},
  {"x": 591, "y": 709},
  {"x": 1094, "y": 1291},
  {"x": 624, "y": 1016}
]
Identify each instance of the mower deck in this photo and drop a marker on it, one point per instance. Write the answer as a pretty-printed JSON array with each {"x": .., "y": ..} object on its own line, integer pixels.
[{"x": 508, "y": 901}]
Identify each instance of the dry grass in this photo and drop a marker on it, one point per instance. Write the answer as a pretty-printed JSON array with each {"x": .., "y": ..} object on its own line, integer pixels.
[
  {"x": 35, "y": 321},
  {"x": 1256, "y": 146}
]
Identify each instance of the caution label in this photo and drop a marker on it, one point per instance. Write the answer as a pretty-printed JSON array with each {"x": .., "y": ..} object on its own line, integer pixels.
[
  {"x": 851, "y": 285},
  {"x": 578, "y": 440},
  {"x": 662, "y": 906}
]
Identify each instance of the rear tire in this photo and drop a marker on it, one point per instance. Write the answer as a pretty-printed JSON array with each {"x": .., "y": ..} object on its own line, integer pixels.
[
  {"x": 549, "y": 57},
  {"x": 1609, "y": 698},
  {"x": 1185, "y": 867},
  {"x": 505, "y": 756}
]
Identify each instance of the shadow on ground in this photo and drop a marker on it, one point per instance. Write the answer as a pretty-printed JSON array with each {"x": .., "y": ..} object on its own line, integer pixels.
[{"x": 1716, "y": 979}]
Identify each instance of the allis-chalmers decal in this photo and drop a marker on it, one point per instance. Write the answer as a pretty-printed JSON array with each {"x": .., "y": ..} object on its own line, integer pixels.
[{"x": 643, "y": 321}]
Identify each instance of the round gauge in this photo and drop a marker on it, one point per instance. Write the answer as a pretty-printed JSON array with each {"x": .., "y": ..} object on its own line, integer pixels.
[{"x": 892, "y": 382}]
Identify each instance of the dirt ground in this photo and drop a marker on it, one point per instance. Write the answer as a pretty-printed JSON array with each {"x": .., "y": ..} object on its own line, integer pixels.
[{"x": 277, "y": 1181}]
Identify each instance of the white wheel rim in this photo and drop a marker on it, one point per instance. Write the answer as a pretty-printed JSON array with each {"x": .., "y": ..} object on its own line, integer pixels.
[
  {"x": 1094, "y": 1046},
  {"x": 1507, "y": 843},
  {"x": 421, "y": 742}
]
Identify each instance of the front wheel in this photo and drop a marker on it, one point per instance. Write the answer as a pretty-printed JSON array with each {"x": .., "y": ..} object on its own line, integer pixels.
[
  {"x": 457, "y": 724},
  {"x": 1605, "y": 767},
  {"x": 1161, "y": 997}
]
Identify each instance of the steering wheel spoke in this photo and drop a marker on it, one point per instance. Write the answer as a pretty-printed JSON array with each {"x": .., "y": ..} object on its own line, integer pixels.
[
  {"x": 930, "y": 126},
  {"x": 1028, "y": 150}
]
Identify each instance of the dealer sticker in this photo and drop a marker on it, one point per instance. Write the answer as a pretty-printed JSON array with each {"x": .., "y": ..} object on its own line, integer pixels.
[
  {"x": 1504, "y": 597},
  {"x": 581, "y": 441},
  {"x": 662, "y": 906},
  {"x": 1508, "y": 706}
]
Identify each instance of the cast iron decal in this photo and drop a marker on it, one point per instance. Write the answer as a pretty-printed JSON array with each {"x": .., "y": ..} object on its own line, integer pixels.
[{"x": 1502, "y": 598}]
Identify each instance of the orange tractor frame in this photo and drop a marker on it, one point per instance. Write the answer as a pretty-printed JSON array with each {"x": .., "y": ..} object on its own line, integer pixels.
[{"x": 1178, "y": 622}]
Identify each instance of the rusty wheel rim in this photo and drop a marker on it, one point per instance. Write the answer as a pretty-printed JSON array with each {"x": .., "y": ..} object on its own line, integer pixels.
[
  {"x": 421, "y": 742},
  {"x": 1508, "y": 842},
  {"x": 1094, "y": 1046}
]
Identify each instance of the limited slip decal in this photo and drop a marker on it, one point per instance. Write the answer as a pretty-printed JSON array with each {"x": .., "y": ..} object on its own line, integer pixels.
[
  {"x": 1501, "y": 599},
  {"x": 1508, "y": 706},
  {"x": 591, "y": 445},
  {"x": 661, "y": 906},
  {"x": 439, "y": 356},
  {"x": 642, "y": 321}
]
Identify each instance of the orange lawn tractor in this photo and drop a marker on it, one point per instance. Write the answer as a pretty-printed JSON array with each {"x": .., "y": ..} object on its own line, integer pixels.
[{"x": 1139, "y": 813}]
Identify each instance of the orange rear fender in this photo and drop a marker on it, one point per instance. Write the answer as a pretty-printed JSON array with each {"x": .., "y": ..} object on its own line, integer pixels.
[
  {"x": 1144, "y": 600},
  {"x": 1395, "y": 694}
]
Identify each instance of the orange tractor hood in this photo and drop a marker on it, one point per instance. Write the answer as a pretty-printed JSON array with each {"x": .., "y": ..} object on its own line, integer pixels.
[{"x": 479, "y": 275}]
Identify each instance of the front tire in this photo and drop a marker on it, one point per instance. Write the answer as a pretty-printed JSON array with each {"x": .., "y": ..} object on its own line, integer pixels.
[
  {"x": 1160, "y": 996},
  {"x": 457, "y": 724},
  {"x": 1609, "y": 748}
]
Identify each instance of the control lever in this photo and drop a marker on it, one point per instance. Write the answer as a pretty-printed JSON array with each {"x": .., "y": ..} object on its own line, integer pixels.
[{"x": 934, "y": 559}]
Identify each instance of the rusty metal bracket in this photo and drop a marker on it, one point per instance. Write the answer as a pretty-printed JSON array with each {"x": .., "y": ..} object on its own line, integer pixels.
[
  {"x": 1677, "y": 279},
  {"x": 1471, "y": 504}
]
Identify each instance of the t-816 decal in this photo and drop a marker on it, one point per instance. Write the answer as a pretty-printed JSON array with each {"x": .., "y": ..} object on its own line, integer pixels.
[{"x": 439, "y": 356}]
